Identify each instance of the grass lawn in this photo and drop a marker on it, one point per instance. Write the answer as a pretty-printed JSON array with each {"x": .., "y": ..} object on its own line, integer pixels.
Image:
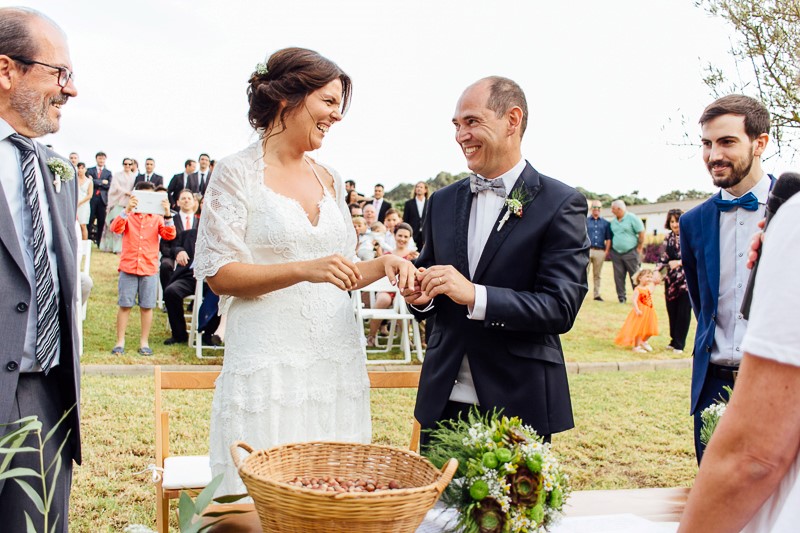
[
  {"x": 591, "y": 339},
  {"x": 632, "y": 428}
]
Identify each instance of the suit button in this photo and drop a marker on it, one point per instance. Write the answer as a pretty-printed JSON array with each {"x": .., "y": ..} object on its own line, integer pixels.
[
  {"x": 12, "y": 366},
  {"x": 22, "y": 307}
]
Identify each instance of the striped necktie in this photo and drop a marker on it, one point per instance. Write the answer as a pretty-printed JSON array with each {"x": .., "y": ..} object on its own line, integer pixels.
[{"x": 47, "y": 334}]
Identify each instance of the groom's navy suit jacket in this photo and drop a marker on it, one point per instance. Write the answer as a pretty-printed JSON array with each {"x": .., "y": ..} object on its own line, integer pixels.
[{"x": 534, "y": 271}]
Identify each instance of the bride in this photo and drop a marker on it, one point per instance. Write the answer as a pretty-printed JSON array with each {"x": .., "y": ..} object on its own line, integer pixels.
[{"x": 275, "y": 241}]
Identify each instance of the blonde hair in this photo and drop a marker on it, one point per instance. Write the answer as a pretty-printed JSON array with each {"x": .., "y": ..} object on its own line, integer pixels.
[{"x": 641, "y": 272}]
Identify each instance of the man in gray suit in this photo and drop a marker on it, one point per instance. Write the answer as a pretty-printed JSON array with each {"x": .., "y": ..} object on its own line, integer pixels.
[{"x": 39, "y": 372}]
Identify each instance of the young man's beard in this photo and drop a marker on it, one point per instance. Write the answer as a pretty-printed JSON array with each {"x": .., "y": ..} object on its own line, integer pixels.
[{"x": 738, "y": 173}]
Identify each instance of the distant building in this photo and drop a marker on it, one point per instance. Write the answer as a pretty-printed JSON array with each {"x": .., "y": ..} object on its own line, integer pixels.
[{"x": 654, "y": 216}]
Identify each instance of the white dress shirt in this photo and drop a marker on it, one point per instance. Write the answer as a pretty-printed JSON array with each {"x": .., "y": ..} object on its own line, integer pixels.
[
  {"x": 187, "y": 219},
  {"x": 486, "y": 207},
  {"x": 736, "y": 229},
  {"x": 420, "y": 205},
  {"x": 16, "y": 198}
]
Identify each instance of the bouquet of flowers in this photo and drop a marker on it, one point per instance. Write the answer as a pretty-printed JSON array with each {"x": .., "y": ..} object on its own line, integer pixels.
[
  {"x": 508, "y": 480},
  {"x": 711, "y": 415}
]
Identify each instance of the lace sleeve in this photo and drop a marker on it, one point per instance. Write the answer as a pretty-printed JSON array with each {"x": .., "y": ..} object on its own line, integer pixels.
[{"x": 223, "y": 223}]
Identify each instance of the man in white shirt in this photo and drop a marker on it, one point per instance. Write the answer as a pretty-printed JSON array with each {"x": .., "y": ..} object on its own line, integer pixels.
[
  {"x": 715, "y": 238},
  {"x": 414, "y": 212},
  {"x": 504, "y": 272},
  {"x": 379, "y": 203},
  {"x": 185, "y": 219},
  {"x": 199, "y": 180},
  {"x": 149, "y": 174}
]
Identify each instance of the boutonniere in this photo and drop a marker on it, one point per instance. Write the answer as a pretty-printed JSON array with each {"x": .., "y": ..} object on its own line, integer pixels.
[
  {"x": 62, "y": 170},
  {"x": 514, "y": 205}
]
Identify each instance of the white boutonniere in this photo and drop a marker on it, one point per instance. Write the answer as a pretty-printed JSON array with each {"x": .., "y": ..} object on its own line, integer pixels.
[
  {"x": 62, "y": 170},
  {"x": 514, "y": 206}
]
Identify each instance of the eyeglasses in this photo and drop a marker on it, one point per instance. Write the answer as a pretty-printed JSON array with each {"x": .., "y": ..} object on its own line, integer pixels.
[
  {"x": 64, "y": 74},
  {"x": 127, "y": 164}
]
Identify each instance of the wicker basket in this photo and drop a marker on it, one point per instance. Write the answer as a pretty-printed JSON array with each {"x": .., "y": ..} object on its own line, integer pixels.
[{"x": 284, "y": 508}]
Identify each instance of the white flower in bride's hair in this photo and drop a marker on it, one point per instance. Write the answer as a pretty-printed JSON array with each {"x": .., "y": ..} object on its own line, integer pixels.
[
  {"x": 62, "y": 170},
  {"x": 261, "y": 69}
]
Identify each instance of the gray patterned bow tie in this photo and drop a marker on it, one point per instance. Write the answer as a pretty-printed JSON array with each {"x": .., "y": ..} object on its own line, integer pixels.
[{"x": 478, "y": 184}]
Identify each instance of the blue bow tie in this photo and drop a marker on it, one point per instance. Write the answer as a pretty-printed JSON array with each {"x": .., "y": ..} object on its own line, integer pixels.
[
  {"x": 748, "y": 201},
  {"x": 478, "y": 184}
]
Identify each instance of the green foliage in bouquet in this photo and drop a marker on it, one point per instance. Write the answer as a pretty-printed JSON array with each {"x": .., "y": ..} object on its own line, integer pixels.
[
  {"x": 711, "y": 415},
  {"x": 508, "y": 480}
]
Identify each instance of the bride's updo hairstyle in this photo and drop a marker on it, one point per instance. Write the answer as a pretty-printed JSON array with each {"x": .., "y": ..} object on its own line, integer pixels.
[{"x": 290, "y": 75}]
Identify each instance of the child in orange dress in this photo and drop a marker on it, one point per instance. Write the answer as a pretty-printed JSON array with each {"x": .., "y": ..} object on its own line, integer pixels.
[{"x": 641, "y": 323}]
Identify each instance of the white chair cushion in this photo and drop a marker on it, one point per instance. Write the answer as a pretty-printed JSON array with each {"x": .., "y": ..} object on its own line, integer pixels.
[{"x": 186, "y": 472}]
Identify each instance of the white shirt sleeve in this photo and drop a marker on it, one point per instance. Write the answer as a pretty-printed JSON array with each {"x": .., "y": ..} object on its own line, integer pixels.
[{"x": 478, "y": 311}]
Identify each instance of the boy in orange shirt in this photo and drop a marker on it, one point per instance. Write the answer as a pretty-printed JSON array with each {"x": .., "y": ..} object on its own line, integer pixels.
[{"x": 138, "y": 265}]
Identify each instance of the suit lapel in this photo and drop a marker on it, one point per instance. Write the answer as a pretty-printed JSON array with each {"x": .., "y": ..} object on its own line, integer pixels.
[
  {"x": 530, "y": 183},
  {"x": 462, "y": 209},
  {"x": 10, "y": 238},
  {"x": 710, "y": 230},
  {"x": 63, "y": 227}
]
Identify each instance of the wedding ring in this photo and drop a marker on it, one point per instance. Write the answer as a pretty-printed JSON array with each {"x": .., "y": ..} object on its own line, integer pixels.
[{"x": 441, "y": 281}]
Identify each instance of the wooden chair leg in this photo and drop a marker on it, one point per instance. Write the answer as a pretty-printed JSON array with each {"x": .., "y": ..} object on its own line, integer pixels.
[{"x": 162, "y": 512}]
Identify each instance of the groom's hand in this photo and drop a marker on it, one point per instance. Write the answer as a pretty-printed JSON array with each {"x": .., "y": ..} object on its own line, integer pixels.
[{"x": 445, "y": 279}]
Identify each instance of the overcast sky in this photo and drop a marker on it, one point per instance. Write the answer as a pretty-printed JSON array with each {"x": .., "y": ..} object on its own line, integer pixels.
[{"x": 606, "y": 82}]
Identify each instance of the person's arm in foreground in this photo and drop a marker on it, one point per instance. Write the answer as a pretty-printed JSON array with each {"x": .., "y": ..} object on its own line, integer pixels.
[{"x": 752, "y": 448}]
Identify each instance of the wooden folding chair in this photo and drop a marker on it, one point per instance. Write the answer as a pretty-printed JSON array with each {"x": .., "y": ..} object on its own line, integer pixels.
[
  {"x": 193, "y": 472},
  {"x": 399, "y": 380},
  {"x": 178, "y": 473}
]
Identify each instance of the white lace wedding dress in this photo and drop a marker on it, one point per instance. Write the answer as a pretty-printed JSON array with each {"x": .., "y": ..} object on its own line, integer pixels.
[{"x": 294, "y": 369}]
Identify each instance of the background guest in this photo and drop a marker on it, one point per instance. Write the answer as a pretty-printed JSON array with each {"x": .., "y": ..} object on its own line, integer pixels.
[
  {"x": 599, "y": 231},
  {"x": 118, "y": 195},
  {"x": 627, "y": 244},
  {"x": 391, "y": 220},
  {"x": 85, "y": 188},
  {"x": 414, "y": 212},
  {"x": 185, "y": 219},
  {"x": 676, "y": 293},
  {"x": 379, "y": 203},
  {"x": 642, "y": 322},
  {"x": 138, "y": 271},
  {"x": 179, "y": 182},
  {"x": 101, "y": 180},
  {"x": 370, "y": 214},
  {"x": 149, "y": 173}
]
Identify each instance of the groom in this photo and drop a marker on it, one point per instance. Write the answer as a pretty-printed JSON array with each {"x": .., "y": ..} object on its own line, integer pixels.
[{"x": 501, "y": 285}]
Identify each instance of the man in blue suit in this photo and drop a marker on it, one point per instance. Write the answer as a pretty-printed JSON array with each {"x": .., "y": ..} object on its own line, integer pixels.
[
  {"x": 715, "y": 240},
  {"x": 503, "y": 283}
]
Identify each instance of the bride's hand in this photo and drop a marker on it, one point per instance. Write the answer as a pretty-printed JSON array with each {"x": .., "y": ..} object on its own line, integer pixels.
[
  {"x": 400, "y": 272},
  {"x": 334, "y": 269}
]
